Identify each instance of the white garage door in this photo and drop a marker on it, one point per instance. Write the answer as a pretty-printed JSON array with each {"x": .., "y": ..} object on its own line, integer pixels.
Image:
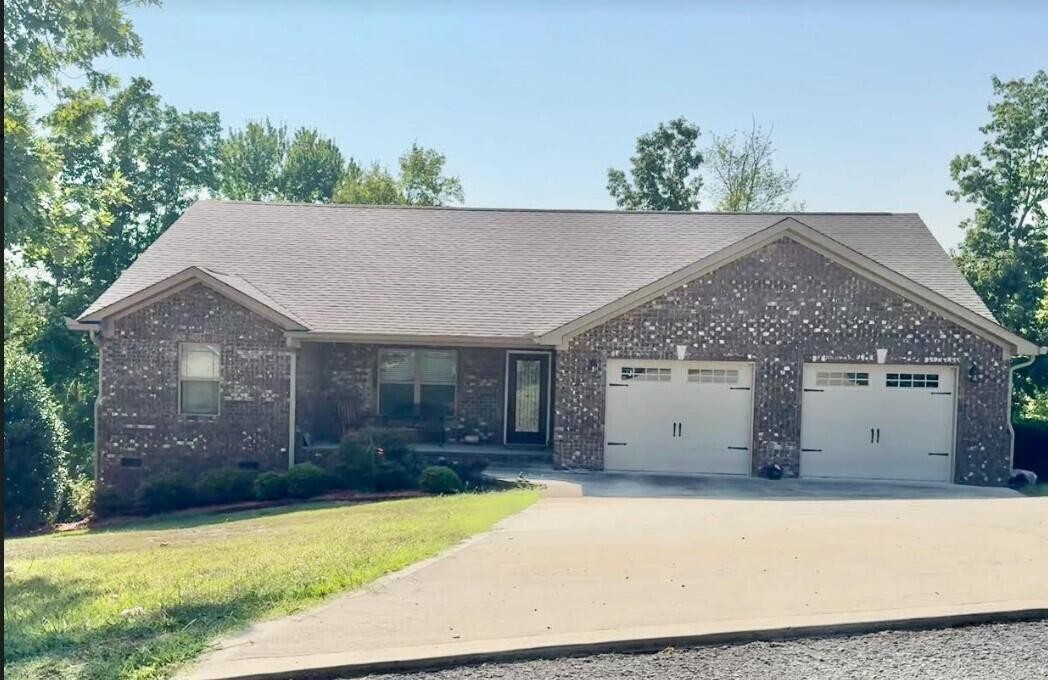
[
  {"x": 877, "y": 422},
  {"x": 678, "y": 416}
]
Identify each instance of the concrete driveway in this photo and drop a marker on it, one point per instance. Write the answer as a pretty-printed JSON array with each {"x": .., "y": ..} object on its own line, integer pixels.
[{"x": 578, "y": 569}]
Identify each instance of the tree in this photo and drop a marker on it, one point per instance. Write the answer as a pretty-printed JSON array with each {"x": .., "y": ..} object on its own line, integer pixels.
[
  {"x": 313, "y": 168},
  {"x": 744, "y": 178},
  {"x": 34, "y": 444},
  {"x": 665, "y": 170},
  {"x": 422, "y": 179},
  {"x": 251, "y": 162},
  {"x": 421, "y": 182},
  {"x": 1004, "y": 253},
  {"x": 371, "y": 186},
  {"x": 43, "y": 38}
]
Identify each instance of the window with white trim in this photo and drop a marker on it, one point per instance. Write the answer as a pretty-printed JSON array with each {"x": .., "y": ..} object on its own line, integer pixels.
[
  {"x": 417, "y": 383},
  {"x": 912, "y": 380},
  {"x": 842, "y": 379},
  {"x": 728, "y": 376},
  {"x": 199, "y": 379},
  {"x": 646, "y": 374}
]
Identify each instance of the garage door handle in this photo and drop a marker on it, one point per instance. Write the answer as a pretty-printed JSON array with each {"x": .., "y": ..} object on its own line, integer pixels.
[
  {"x": 878, "y": 435},
  {"x": 871, "y": 435}
]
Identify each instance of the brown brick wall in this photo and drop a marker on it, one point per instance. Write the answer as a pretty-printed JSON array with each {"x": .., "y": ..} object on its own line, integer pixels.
[
  {"x": 780, "y": 307},
  {"x": 138, "y": 408}
]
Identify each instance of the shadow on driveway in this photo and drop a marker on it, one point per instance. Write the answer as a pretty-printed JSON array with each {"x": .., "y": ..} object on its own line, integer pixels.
[{"x": 641, "y": 485}]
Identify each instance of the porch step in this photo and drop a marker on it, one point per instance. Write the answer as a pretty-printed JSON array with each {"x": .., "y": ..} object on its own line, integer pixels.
[{"x": 492, "y": 455}]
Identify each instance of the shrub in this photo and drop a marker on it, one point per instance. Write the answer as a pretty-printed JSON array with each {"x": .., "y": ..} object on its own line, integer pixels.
[
  {"x": 393, "y": 477},
  {"x": 271, "y": 486},
  {"x": 372, "y": 451},
  {"x": 35, "y": 453},
  {"x": 225, "y": 485},
  {"x": 79, "y": 499},
  {"x": 439, "y": 479},
  {"x": 164, "y": 493},
  {"x": 1031, "y": 446},
  {"x": 110, "y": 502},
  {"x": 306, "y": 480}
]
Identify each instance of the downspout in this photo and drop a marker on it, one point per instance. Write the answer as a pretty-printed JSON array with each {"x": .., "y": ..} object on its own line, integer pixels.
[
  {"x": 1011, "y": 384},
  {"x": 291, "y": 410},
  {"x": 97, "y": 342}
]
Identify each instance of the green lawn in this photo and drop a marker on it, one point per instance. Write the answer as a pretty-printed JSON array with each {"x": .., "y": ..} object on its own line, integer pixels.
[
  {"x": 137, "y": 601},
  {"x": 1035, "y": 490}
]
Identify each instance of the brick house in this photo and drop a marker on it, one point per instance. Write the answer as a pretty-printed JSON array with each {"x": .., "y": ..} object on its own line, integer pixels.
[{"x": 833, "y": 345}]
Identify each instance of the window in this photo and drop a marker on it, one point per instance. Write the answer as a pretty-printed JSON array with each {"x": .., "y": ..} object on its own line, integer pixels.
[
  {"x": 646, "y": 374},
  {"x": 842, "y": 379},
  {"x": 417, "y": 383},
  {"x": 918, "y": 380},
  {"x": 729, "y": 376},
  {"x": 199, "y": 373}
]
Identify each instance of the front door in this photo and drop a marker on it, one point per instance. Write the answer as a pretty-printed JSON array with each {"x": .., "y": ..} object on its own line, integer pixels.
[{"x": 527, "y": 400}]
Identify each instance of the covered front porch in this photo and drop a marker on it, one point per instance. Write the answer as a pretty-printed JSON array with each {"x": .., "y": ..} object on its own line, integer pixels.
[{"x": 490, "y": 403}]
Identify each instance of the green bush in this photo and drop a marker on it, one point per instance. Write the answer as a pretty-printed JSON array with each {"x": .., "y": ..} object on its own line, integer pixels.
[
  {"x": 225, "y": 485},
  {"x": 110, "y": 502},
  {"x": 271, "y": 486},
  {"x": 79, "y": 499},
  {"x": 306, "y": 480},
  {"x": 439, "y": 479},
  {"x": 35, "y": 444},
  {"x": 164, "y": 493},
  {"x": 373, "y": 452},
  {"x": 1031, "y": 446},
  {"x": 393, "y": 477}
]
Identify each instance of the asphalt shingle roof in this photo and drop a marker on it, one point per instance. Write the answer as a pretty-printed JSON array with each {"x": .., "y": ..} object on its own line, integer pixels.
[{"x": 484, "y": 272}]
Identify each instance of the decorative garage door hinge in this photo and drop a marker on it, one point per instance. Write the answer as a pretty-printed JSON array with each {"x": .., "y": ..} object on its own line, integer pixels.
[
  {"x": 936, "y": 453},
  {"x": 811, "y": 450},
  {"x": 812, "y": 389},
  {"x": 618, "y": 385},
  {"x": 616, "y": 443},
  {"x": 739, "y": 448},
  {"x": 943, "y": 393},
  {"x": 738, "y": 388}
]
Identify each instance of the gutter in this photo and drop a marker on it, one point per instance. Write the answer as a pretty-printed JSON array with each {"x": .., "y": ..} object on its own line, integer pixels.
[{"x": 1041, "y": 351}]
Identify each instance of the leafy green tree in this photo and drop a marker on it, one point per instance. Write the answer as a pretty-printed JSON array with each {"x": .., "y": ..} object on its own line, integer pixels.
[
  {"x": 422, "y": 178},
  {"x": 24, "y": 313},
  {"x": 371, "y": 186},
  {"x": 665, "y": 170},
  {"x": 251, "y": 162},
  {"x": 41, "y": 39},
  {"x": 313, "y": 168},
  {"x": 1004, "y": 253},
  {"x": 744, "y": 177},
  {"x": 421, "y": 182},
  {"x": 34, "y": 444}
]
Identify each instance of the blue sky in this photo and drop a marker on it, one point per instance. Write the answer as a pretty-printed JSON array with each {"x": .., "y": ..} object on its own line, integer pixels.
[{"x": 532, "y": 103}]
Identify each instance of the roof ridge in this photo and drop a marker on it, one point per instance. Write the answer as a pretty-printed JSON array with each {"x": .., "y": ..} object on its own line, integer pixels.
[{"x": 464, "y": 208}]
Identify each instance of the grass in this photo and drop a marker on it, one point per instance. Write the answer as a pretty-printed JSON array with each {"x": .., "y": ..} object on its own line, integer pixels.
[
  {"x": 138, "y": 601},
  {"x": 1035, "y": 490}
]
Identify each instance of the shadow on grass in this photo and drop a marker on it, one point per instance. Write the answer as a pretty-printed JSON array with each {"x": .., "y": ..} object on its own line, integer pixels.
[
  {"x": 190, "y": 521},
  {"x": 43, "y": 638}
]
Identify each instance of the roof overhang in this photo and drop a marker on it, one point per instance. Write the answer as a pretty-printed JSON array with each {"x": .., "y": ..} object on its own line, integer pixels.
[
  {"x": 295, "y": 338},
  {"x": 834, "y": 250},
  {"x": 191, "y": 276}
]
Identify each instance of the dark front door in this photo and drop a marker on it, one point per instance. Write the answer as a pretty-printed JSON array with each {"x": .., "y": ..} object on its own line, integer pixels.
[{"x": 527, "y": 406}]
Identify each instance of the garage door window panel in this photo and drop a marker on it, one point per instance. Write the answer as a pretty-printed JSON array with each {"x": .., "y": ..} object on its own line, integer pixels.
[
  {"x": 842, "y": 379},
  {"x": 646, "y": 374},
  {"x": 912, "y": 380},
  {"x": 720, "y": 376}
]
